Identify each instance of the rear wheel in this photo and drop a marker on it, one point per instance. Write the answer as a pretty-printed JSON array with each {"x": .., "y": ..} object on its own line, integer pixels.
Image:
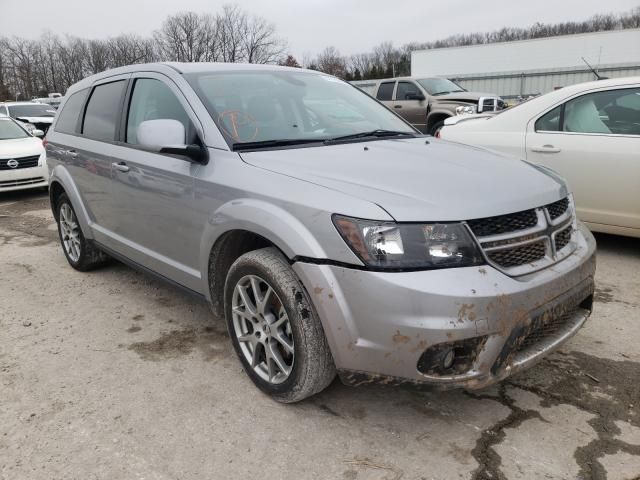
[
  {"x": 274, "y": 328},
  {"x": 80, "y": 254}
]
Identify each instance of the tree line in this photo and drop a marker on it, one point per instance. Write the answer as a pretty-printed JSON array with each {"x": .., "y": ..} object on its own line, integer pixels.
[
  {"x": 34, "y": 68},
  {"x": 52, "y": 63}
]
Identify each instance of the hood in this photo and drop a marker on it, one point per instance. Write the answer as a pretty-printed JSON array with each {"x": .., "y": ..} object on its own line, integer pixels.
[
  {"x": 463, "y": 97},
  {"x": 416, "y": 179},
  {"x": 20, "y": 147},
  {"x": 48, "y": 120}
]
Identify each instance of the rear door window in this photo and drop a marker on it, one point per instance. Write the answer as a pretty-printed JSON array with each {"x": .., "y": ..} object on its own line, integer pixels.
[
  {"x": 101, "y": 116},
  {"x": 385, "y": 91},
  {"x": 550, "y": 121},
  {"x": 69, "y": 119}
]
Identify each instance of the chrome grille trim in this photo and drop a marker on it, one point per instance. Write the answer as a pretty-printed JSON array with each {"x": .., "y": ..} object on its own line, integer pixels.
[{"x": 518, "y": 252}]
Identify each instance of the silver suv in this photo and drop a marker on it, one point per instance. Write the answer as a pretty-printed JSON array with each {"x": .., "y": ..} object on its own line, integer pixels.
[{"x": 330, "y": 234}]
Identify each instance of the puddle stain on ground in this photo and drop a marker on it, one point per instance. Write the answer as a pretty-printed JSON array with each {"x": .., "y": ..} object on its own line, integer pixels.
[
  {"x": 565, "y": 378},
  {"x": 213, "y": 345},
  {"x": 606, "y": 295}
]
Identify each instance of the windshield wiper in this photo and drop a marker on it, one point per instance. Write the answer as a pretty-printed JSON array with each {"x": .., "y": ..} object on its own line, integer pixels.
[
  {"x": 380, "y": 133},
  {"x": 284, "y": 142}
]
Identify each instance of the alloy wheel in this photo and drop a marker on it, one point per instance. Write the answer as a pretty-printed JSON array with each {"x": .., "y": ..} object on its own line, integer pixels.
[
  {"x": 263, "y": 329},
  {"x": 70, "y": 232}
]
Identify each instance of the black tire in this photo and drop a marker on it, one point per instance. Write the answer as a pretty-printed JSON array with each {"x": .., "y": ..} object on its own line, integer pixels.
[
  {"x": 437, "y": 126},
  {"x": 312, "y": 368},
  {"x": 89, "y": 256}
]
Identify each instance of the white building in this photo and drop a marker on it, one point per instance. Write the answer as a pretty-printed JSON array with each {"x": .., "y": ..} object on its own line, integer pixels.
[{"x": 529, "y": 67}]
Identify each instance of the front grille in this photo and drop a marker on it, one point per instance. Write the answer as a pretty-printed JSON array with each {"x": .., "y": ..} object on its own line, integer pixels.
[
  {"x": 558, "y": 208},
  {"x": 21, "y": 182},
  {"x": 563, "y": 238},
  {"x": 513, "y": 257},
  {"x": 23, "y": 162},
  {"x": 484, "y": 227},
  {"x": 521, "y": 241},
  {"x": 545, "y": 330}
]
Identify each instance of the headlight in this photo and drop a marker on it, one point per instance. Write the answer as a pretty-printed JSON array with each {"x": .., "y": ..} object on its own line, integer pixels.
[
  {"x": 468, "y": 109},
  {"x": 391, "y": 245}
]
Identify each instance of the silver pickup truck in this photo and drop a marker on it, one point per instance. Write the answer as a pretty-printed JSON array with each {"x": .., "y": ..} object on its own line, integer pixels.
[{"x": 426, "y": 102}]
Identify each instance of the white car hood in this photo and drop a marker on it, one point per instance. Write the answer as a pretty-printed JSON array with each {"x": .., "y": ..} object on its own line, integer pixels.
[
  {"x": 418, "y": 179},
  {"x": 20, "y": 147}
]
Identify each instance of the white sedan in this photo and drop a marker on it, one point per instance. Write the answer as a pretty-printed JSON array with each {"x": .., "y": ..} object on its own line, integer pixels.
[
  {"x": 588, "y": 133},
  {"x": 23, "y": 161}
]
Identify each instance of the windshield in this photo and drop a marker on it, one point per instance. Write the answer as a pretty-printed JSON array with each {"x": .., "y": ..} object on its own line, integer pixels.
[
  {"x": 262, "y": 106},
  {"x": 31, "y": 110},
  {"x": 439, "y": 86},
  {"x": 9, "y": 130}
]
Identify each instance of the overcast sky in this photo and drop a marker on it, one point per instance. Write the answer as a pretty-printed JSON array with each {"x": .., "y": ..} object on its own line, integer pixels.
[{"x": 307, "y": 25}]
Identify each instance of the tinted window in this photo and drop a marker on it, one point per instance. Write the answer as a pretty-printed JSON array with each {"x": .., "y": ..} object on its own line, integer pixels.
[
  {"x": 550, "y": 121},
  {"x": 68, "y": 120},
  {"x": 102, "y": 111},
  {"x": 385, "y": 91},
  {"x": 404, "y": 89},
  {"x": 153, "y": 100}
]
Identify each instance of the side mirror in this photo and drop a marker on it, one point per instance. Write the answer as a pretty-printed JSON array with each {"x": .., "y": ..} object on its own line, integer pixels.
[
  {"x": 37, "y": 133},
  {"x": 169, "y": 136},
  {"x": 414, "y": 96}
]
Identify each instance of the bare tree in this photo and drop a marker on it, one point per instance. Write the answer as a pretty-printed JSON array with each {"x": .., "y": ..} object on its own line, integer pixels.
[{"x": 330, "y": 61}]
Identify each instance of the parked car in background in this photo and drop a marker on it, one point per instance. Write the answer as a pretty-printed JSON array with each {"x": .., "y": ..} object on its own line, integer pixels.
[
  {"x": 36, "y": 116},
  {"x": 53, "y": 99},
  {"x": 23, "y": 162},
  {"x": 329, "y": 233},
  {"x": 589, "y": 133},
  {"x": 427, "y": 102}
]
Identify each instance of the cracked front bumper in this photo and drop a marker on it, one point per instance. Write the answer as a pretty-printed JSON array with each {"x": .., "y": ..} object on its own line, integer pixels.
[{"x": 379, "y": 324}]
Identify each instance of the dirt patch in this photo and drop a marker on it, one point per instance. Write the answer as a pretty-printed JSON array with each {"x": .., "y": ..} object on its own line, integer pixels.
[
  {"x": 606, "y": 295},
  {"x": 134, "y": 329},
  {"x": 214, "y": 345},
  {"x": 16, "y": 223}
]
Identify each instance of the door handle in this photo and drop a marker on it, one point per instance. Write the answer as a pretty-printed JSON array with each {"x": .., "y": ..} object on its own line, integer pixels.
[
  {"x": 545, "y": 149},
  {"x": 120, "y": 166},
  {"x": 397, "y": 106},
  {"x": 72, "y": 153}
]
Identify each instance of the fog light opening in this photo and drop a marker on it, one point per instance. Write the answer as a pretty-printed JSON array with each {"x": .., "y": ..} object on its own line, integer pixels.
[{"x": 447, "y": 360}]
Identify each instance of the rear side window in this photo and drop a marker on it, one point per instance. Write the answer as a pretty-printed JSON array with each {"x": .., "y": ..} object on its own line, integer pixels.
[
  {"x": 550, "y": 121},
  {"x": 69, "y": 118},
  {"x": 385, "y": 91},
  {"x": 153, "y": 100},
  {"x": 101, "y": 116}
]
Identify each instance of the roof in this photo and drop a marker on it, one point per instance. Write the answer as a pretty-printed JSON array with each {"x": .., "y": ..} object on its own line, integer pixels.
[{"x": 170, "y": 68}]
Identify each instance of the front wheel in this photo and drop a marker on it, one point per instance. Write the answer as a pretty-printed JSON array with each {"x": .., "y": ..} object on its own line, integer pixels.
[
  {"x": 274, "y": 328},
  {"x": 435, "y": 128}
]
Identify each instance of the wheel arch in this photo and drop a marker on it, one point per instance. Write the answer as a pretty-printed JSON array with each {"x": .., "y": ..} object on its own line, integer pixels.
[
  {"x": 241, "y": 226},
  {"x": 61, "y": 182},
  {"x": 435, "y": 117}
]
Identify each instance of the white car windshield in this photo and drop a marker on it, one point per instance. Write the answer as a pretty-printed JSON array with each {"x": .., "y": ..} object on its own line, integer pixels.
[
  {"x": 262, "y": 106},
  {"x": 9, "y": 130},
  {"x": 31, "y": 110}
]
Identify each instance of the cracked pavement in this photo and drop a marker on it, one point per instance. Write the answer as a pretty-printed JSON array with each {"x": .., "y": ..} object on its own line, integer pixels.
[{"x": 112, "y": 374}]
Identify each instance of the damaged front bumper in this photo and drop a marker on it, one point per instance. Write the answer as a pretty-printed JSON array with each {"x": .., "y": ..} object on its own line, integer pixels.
[{"x": 396, "y": 327}]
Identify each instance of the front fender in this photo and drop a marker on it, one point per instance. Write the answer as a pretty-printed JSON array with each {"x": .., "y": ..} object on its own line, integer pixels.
[
  {"x": 59, "y": 174},
  {"x": 270, "y": 221}
]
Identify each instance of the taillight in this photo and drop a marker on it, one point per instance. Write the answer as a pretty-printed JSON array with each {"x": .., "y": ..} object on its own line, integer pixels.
[{"x": 45, "y": 142}]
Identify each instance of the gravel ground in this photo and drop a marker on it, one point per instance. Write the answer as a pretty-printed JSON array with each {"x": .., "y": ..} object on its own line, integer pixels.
[{"x": 114, "y": 375}]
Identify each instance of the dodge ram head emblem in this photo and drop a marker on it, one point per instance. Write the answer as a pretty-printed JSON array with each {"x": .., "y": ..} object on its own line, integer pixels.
[{"x": 13, "y": 163}]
